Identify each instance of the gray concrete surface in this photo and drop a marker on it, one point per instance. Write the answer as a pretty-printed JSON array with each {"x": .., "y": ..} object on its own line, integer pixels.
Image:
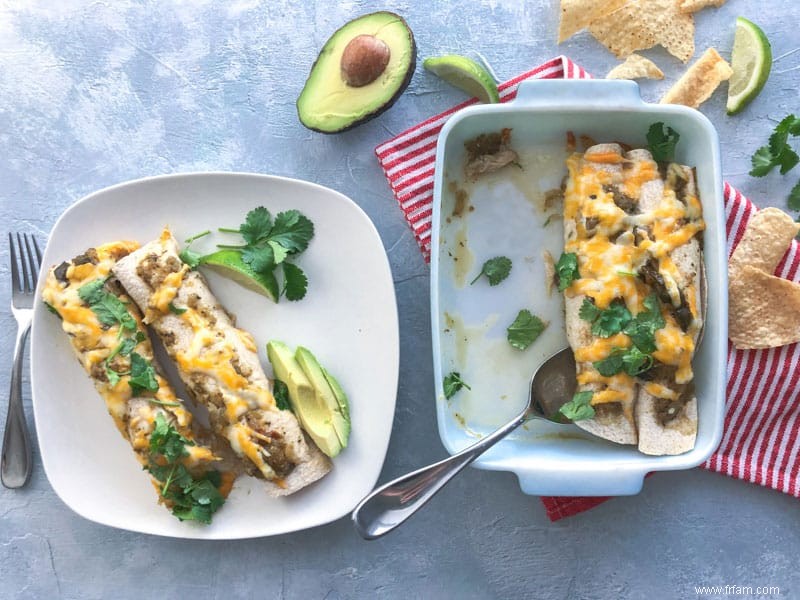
[{"x": 96, "y": 93}]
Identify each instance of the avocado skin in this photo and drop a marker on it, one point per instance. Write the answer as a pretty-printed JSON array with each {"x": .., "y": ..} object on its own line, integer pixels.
[{"x": 388, "y": 103}]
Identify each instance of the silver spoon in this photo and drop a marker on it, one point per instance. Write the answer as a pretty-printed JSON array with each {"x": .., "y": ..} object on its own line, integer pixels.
[{"x": 551, "y": 386}]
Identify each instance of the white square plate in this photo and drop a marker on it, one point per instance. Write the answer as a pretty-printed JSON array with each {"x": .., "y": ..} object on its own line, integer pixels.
[{"x": 348, "y": 318}]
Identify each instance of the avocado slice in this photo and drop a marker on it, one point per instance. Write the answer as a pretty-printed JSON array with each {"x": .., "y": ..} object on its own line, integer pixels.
[
  {"x": 331, "y": 395},
  {"x": 359, "y": 73},
  {"x": 231, "y": 264},
  {"x": 309, "y": 407}
]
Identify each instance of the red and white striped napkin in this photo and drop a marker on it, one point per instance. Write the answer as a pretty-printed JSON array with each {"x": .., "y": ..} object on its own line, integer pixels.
[{"x": 761, "y": 440}]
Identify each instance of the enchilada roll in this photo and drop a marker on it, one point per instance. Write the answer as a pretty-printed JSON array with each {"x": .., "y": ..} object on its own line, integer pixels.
[
  {"x": 591, "y": 220},
  {"x": 666, "y": 407},
  {"x": 219, "y": 365},
  {"x": 633, "y": 310},
  {"x": 109, "y": 339}
]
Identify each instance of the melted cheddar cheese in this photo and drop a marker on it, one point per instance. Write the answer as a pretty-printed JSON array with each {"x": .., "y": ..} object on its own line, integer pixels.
[
  {"x": 94, "y": 341},
  {"x": 612, "y": 245}
]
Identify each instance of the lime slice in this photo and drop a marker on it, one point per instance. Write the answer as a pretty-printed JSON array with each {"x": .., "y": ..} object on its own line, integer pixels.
[
  {"x": 465, "y": 74},
  {"x": 230, "y": 264},
  {"x": 751, "y": 61}
]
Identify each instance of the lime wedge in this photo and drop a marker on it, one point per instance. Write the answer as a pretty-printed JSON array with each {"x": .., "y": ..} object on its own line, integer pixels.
[
  {"x": 751, "y": 61},
  {"x": 230, "y": 264},
  {"x": 465, "y": 74}
]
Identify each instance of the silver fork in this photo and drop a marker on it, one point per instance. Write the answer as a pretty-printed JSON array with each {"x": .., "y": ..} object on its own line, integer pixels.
[{"x": 15, "y": 466}]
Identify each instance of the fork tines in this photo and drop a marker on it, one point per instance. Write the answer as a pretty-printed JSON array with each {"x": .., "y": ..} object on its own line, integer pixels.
[{"x": 24, "y": 252}]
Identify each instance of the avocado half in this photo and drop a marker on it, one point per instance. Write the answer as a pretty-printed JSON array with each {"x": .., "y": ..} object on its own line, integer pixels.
[{"x": 359, "y": 73}]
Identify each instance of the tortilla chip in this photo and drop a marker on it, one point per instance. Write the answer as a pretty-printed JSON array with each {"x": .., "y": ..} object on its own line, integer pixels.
[
  {"x": 692, "y": 6},
  {"x": 700, "y": 80},
  {"x": 764, "y": 310},
  {"x": 577, "y": 14},
  {"x": 636, "y": 67},
  {"x": 641, "y": 24},
  {"x": 766, "y": 239}
]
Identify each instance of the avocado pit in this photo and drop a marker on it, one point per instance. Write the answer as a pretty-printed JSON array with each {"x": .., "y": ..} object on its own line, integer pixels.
[{"x": 364, "y": 59}]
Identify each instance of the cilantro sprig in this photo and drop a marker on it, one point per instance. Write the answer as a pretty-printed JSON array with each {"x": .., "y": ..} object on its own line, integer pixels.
[
  {"x": 778, "y": 153},
  {"x": 579, "y": 408},
  {"x": 269, "y": 244},
  {"x": 661, "y": 140},
  {"x": 496, "y": 270},
  {"x": 525, "y": 329},
  {"x": 193, "y": 498},
  {"x": 453, "y": 383},
  {"x": 281, "y": 393}
]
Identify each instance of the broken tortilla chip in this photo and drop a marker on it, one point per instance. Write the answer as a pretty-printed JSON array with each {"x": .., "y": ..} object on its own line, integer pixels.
[
  {"x": 636, "y": 67},
  {"x": 764, "y": 242},
  {"x": 642, "y": 24},
  {"x": 764, "y": 310},
  {"x": 577, "y": 14},
  {"x": 699, "y": 81},
  {"x": 692, "y": 6}
]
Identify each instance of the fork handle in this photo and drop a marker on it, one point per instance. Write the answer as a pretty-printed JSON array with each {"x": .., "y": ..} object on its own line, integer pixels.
[{"x": 15, "y": 465}]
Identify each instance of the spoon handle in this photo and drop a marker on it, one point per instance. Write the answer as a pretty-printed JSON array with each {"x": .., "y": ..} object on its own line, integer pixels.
[{"x": 394, "y": 502}]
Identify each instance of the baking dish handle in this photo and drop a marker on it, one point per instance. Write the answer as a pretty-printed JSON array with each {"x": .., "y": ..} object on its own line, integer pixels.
[
  {"x": 599, "y": 482},
  {"x": 578, "y": 93}
]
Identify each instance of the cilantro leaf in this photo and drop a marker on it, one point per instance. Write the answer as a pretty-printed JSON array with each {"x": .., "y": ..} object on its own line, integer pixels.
[
  {"x": 257, "y": 225},
  {"x": 109, "y": 309},
  {"x": 588, "y": 311},
  {"x": 762, "y": 162},
  {"x": 126, "y": 346},
  {"x": 496, "y": 270},
  {"x": 525, "y": 329},
  {"x": 281, "y": 393},
  {"x": 780, "y": 136},
  {"x": 628, "y": 360},
  {"x": 295, "y": 282},
  {"x": 260, "y": 258},
  {"x": 567, "y": 270},
  {"x": 579, "y": 408},
  {"x": 292, "y": 230},
  {"x": 167, "y": 441},
  {"x": 794, "y": 197},
  {"x": 611, "y": 320},
  {"x": 452, "y": 384},
  {"x": 278, "y": 251},
  {"x": 634, "y": 362},
  {"x": 143, "y": 375},
  {"x": 787, "y": 160},
  {"x": 641, "y": 329},
  {"x": 661, "y": 140},
  {"x": 51, "y": 308},
  {"x": 92, "y": 292},
  {"x": 175, "y": 310},
  {"x": 112, "y": 376}
]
